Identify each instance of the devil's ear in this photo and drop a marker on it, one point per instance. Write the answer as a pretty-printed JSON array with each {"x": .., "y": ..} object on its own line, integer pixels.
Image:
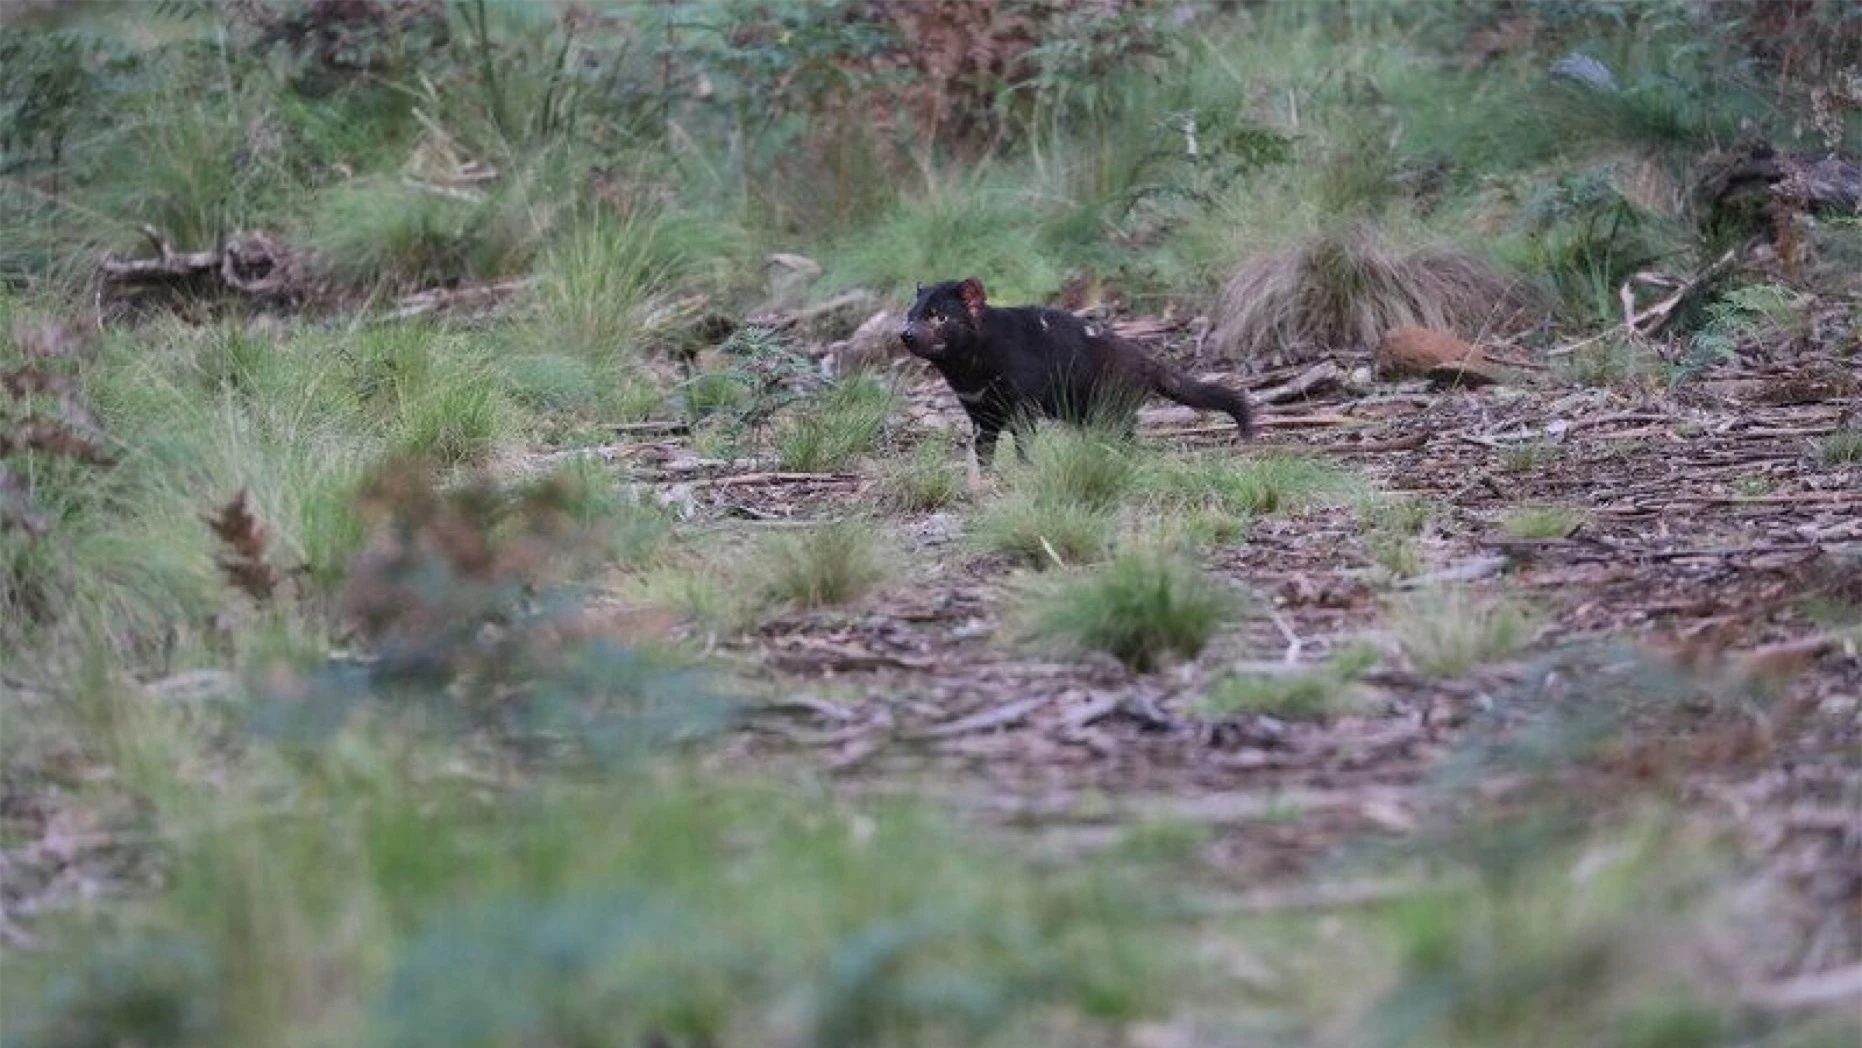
[{"x": 973, "y": 296}]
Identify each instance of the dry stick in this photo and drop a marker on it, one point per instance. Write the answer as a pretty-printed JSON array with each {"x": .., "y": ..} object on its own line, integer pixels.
[
  {"x": 1805, "y": 991},
  {"x": 1408, "y": 443},
  {"x": 1268, "y": 422},
  {"x": 740, "y": 480},
  {"x": 650, "y": 428},
  {"x": 1661, "y": 312},
  {"x": 1002, "y": 716}
]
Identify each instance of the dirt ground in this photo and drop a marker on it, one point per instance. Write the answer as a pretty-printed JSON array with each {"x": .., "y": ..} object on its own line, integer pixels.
[{"x": 1711, "y": 534}]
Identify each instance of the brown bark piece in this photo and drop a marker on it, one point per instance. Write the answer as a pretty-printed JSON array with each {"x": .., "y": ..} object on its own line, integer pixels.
[{"x": 1439, "y": 355}]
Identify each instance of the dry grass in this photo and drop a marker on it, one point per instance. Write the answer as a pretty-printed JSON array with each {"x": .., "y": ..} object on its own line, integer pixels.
[{"x": 1341, "y": 291}]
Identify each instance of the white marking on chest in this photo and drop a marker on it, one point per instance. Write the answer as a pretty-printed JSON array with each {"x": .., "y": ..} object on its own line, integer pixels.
[
  {"x": 1043, "y": 323},
  {"x": 1091, "y": 331}
]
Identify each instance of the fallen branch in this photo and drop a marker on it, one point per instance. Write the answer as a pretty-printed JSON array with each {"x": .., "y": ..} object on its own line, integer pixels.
[
  {"x": 1266, "y": 422},
  {"x": 1318, "y": 378},
  {"x": 1818, "y": 989},
  {"x": 1005, "y": 715},
  {"x": 741, "y": 480},
  {"x": 250, "y": 263}
]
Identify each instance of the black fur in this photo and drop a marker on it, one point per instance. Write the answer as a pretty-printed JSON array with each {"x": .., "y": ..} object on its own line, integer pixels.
[{"x": 1011, "y": 365}]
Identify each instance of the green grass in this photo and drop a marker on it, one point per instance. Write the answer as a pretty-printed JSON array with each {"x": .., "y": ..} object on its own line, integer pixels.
[
  {"x": 837, "y": 426},
  {"x": 1542, "y": 522},
  {"x": 1529, "y": 456},
  {"x": 1144, "y": 607},
  {"x": 1247, "y": 486},
  {"x": 422, "y": 909},
  {"x": 1043, "y": 534},
  {"x": 1841, "y": 447},
  {"x": 1304, "y": 693},
  {"x": 831, "y": 564},
  {"x": 435, "y": 869},
  {"x": 1448, "y": 632},
  {"x": 1093, "y": 467},
  {"x": 927, "y": 479},
  {"x": 980, "y": 224},
  {"x": 384, "y": 235}
]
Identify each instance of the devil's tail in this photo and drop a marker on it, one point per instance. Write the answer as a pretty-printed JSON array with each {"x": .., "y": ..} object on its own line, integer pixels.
[{"x": 1204, "y": 396}]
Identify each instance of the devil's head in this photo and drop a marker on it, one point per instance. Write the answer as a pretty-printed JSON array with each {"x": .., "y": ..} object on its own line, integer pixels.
[{"x": 945, "y": 318}]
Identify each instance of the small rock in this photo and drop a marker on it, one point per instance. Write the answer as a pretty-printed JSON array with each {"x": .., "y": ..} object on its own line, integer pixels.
[
  {"x": 938, "y": 527},
  {"x": 790, "y": 277},
  {"x": 871, "y": 346}
]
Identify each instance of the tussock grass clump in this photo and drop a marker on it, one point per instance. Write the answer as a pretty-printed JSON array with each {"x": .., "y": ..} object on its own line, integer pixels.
[
  {"x": 1092, "y": 466},
  {"x": 832, "y": 564},
  {"x": 1304, "y": 694},
  {"x": 1542, "y": 522},
  {"x": 1840, "y": 447},
  {"x": 453, "y": 424},
  {"x": 927, "y": 479},
  {"x": 1043, "y": 533},
  {"x": 1342, "y": 290},
  {"x": 1529, "y": 456},
  {"x": 837, "y": 427},
  {"x": 1062, "y": 504},
  {"x": 1146, "y": 605},
  {"x": 1450, "y": 631}
]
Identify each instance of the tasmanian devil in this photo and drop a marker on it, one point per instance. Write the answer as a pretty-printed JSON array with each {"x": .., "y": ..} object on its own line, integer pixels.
[{"x": 1008, "y": 365}]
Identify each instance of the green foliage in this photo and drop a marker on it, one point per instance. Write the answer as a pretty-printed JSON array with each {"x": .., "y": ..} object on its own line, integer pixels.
[
  {"x": 54, "y": 83},
  {"x": 1616, "y": 360},
  {"x": 1740, "y": 316},
  {"x": 148, "y": 989},
  {"x": 1841, "y": 447},
  {"x": 468, "y": 602},
  {"x": 1585, "y": 237},
  {"x": 966, "y": 227},
  {"x": 1274, "y": 483},
  {"x": 1542, "y": 522},
  {"x": 385, "y": 235},
  {"x": 831, "y": 564},
  {"x": 1043, "y": 533},
  {"x": 1303, "y": 694},
  {"x": 1529, "y": 456},
  {"x": 1092, "y": 466},
  {"x": 600, "y": 278},
  {"x": 927, "y": 479},
  {"x": 568, "y": 915},
  {"x": 1448, "y": 632},
  {"x": 1144, "y": 606},
  {"x": 836, "y": 426}
]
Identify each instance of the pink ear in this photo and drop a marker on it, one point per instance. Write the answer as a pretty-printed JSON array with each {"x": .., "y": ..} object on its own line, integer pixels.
[{"x": 973, "y": 297}]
